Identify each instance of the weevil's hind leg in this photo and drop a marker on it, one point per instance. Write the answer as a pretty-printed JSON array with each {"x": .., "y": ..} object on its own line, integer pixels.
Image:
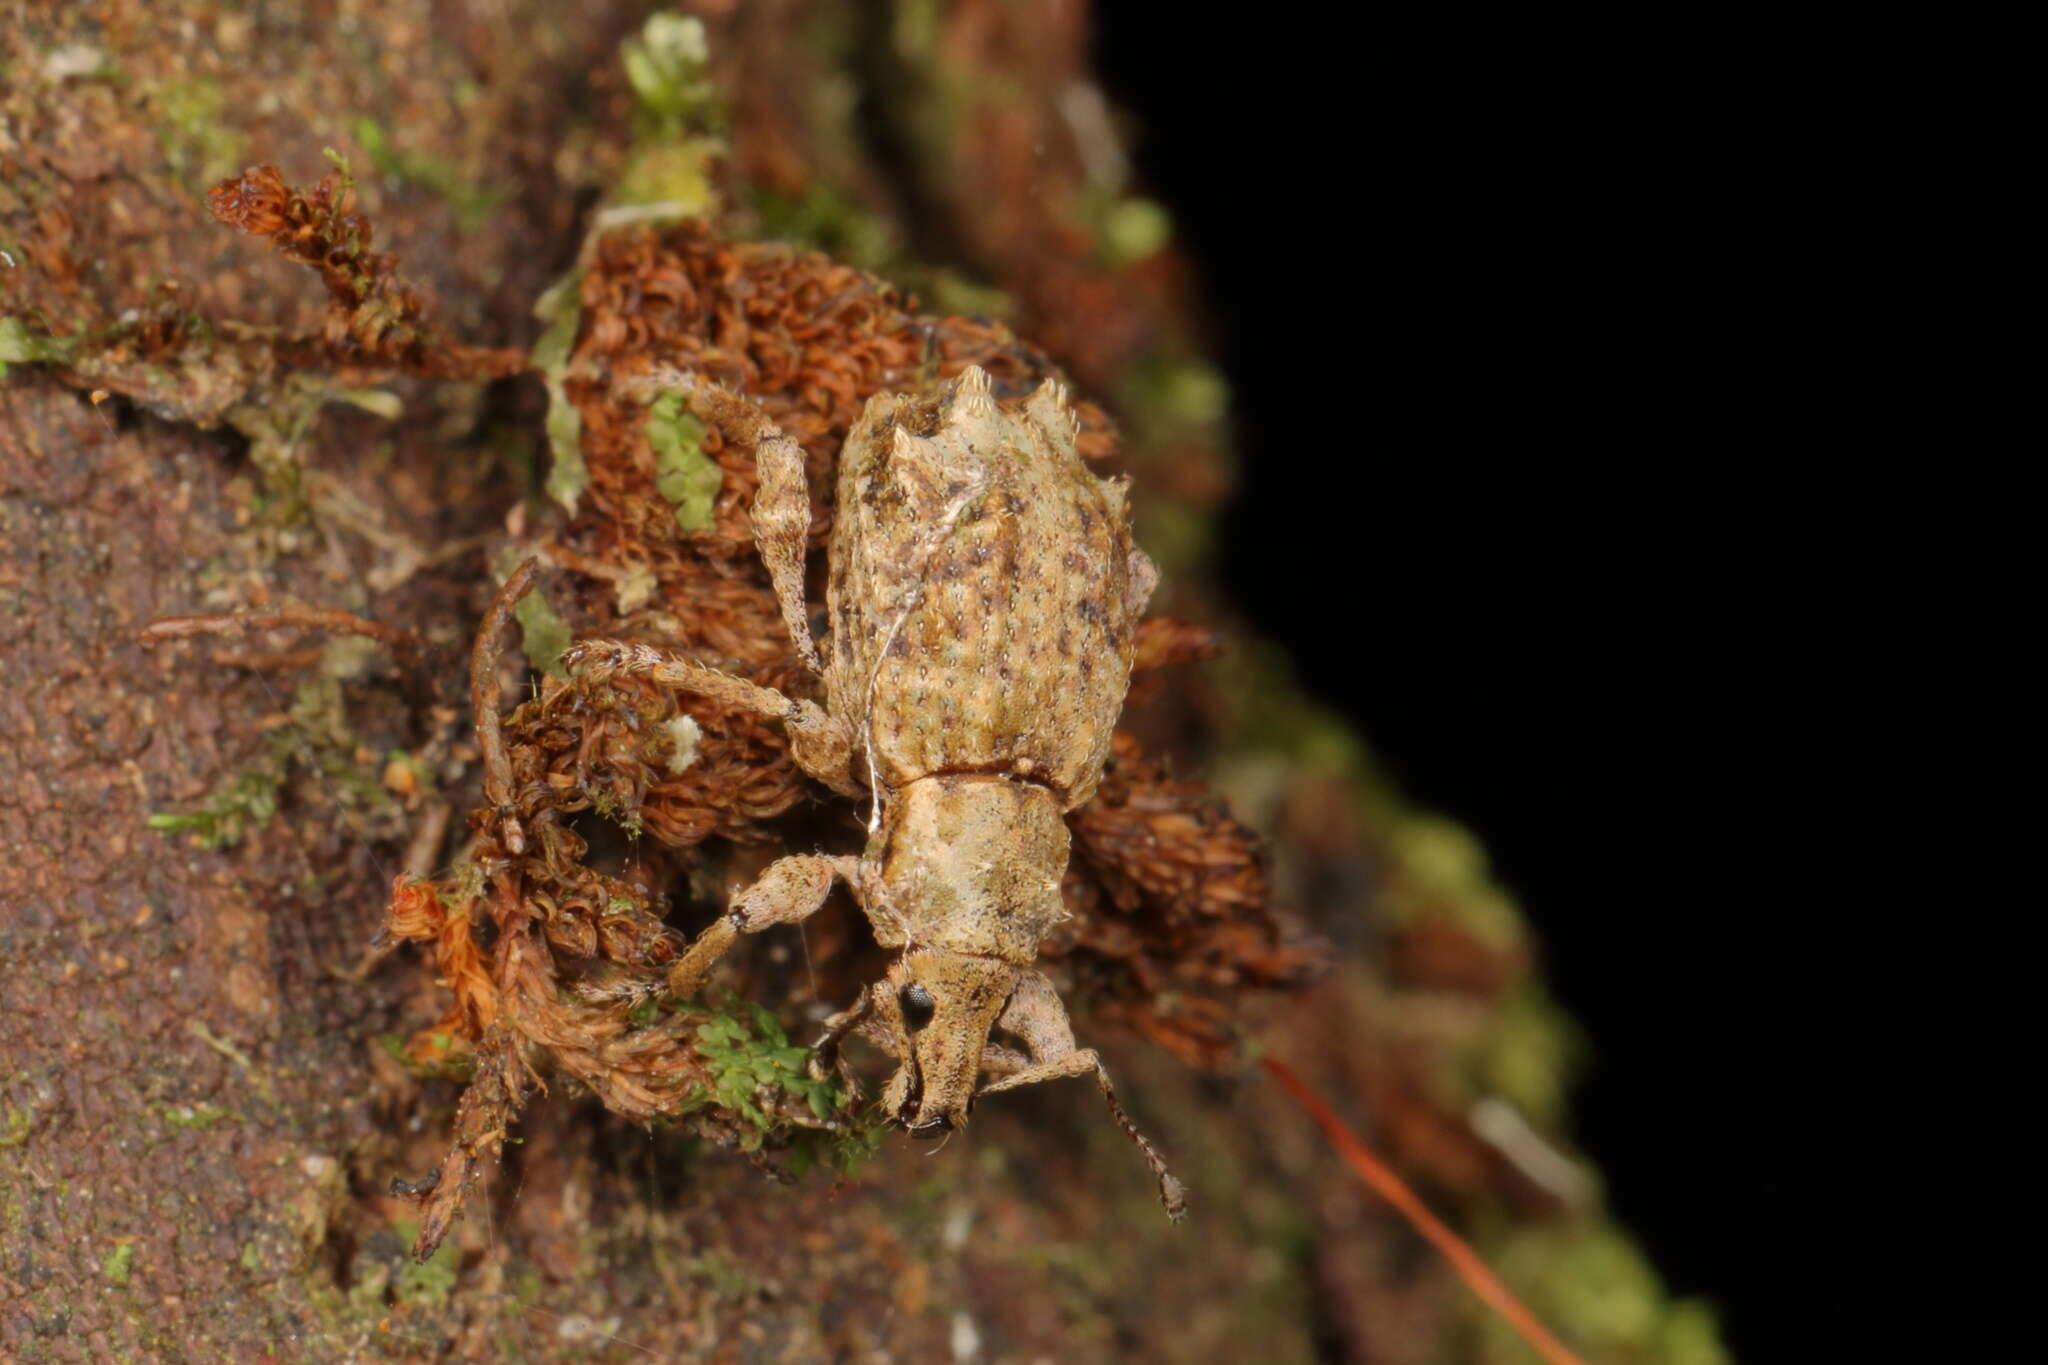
[
  {"x": 782, "y": 504},
  {"x": 1036, "y": 1015},
  {"x": 820, "y": 744},
  {"x": 791, "y": 889}
]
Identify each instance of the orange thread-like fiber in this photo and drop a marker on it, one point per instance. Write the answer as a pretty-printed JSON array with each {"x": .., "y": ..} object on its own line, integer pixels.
[{"x": 1390, "y": 1187}]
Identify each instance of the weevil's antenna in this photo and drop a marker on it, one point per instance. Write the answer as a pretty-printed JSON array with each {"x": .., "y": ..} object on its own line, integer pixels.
[{"x": 1380, "y": 1177}]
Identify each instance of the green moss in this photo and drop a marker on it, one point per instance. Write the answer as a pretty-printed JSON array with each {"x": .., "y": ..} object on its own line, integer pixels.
[
  {"x": 677, "y": 118},
  {"x": 199, "y": 146},
  {"x": 21, "y": 344},
  {"x": 247, "y": 801},
  {"x": 426, "y": 1284},
  {"x": 1176, "y": 394},
  {"x": 446, "y": 1057},
  {"x": 195, "y": 1116},
  {"x": 472, "y": 203},
  {"x": 317, "y": 737},
  {"x": 669, "y": 68},
  {"x": 608, "y": 803},
  {"x": 823, "y": 219},
  {"x": 683, "y": 474},
  {"x": 1129, "y": 229},
  {"x": 1531, "y": 1054},
  {"x": 748, "y": 1056},
  {"x": 674, "y": 174},
  {"x": 116, "y": 1264},
  {"x": 15, "y": 1134},
  {"x": 276, "y": 430},
  {"x": 728, "y": 1279},
  {"x": 1593, "y": 1284}
]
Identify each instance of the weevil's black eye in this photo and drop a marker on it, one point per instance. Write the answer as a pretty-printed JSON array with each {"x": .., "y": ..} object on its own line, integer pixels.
[{"x": 918, "y": 1006}]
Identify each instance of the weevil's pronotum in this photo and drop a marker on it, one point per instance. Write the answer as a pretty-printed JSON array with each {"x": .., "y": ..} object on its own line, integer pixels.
[{"x": 984, "y": 599}]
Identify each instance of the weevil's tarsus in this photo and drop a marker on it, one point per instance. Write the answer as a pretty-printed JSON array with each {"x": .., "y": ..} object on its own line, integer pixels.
[
  {"x": 403, "y": 643},
  {"x": 821, "y": 746},
  {"x": 483, "y": 700},
  {"x": 1036, "y": 1015},
  {"x": 782, "y": 502}
]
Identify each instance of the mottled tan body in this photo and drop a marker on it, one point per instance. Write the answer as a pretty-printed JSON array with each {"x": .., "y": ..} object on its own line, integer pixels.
[
  {"x": 984, "y": 602},
  {"x": 985, "y": 593}
]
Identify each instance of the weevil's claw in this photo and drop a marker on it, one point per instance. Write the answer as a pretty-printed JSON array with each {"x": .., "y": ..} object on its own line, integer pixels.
[
  {"x": 1174, "y": 1195},
  {"x": 416, "y": 1189}
]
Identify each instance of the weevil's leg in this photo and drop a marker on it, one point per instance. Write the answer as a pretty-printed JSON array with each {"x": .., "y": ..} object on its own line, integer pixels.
[
  {"x": 819, "y": 743},
  {"x": 791, "y": 889},
  {"x": 997, "y": 1060},
  {"x": 1036, "y": 1015},
  {"x": 782, "y": 504},
  {"x": 825, "y": 1052}
]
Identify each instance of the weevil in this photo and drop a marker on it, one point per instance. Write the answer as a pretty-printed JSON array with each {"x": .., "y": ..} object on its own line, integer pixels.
[{"x": 984, "y": 596}]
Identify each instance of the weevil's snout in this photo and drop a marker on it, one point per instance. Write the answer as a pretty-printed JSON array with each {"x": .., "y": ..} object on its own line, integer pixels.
[{"x": 941, "y": 1005}]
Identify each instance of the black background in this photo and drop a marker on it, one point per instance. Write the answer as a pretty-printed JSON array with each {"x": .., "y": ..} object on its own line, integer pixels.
[{"x": 1512, "y": 310}]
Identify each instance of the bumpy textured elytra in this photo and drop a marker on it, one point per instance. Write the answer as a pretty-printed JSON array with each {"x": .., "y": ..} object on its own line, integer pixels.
[{"x": 984, "y": 602}]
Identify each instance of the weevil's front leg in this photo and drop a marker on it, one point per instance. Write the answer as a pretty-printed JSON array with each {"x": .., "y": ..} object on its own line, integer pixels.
[
  {"x": 782, "y": 502},
  {"x": 825, "y": 1052},
  {"x": 782, "y": 505},
  {"x": 791, "y": 889},
  {"x": 818, "y": 742},
  {"x": 1036, "y": 1015}
]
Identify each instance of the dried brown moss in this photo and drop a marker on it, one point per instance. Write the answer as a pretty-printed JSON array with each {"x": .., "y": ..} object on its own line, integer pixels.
[
  {"x": 1174, "y": 925},
  {"x": 556, "y": 952},
  {"x": 374, "y": 318}
]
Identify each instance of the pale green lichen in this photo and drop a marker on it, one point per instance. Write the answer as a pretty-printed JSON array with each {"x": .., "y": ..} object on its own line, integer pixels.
[
  {"x": 667, "y": 176},
  {"x": 560, "y": 309},
  {"x": 116, "y": 1264},
  {"x": 316, "y": 736},
  {"x": 1585, "y": 1275},
  {"x": 683, "y": 474},
  {"x": 543, "y": 633}
]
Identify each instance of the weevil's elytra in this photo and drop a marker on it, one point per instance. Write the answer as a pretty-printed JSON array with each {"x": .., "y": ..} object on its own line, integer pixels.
[{"x": 984, "y": 599}]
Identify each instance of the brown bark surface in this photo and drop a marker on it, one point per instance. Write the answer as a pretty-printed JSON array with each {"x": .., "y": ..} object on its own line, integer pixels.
[{"x": 210, "y": 1078}]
